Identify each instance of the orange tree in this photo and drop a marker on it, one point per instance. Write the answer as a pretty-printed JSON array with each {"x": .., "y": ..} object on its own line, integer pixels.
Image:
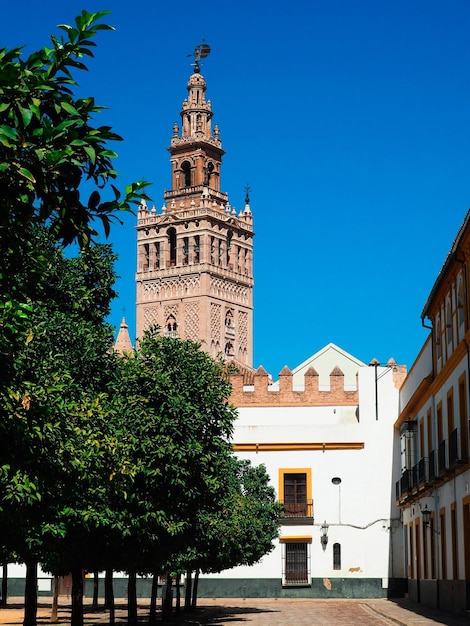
[
  {"x": 55, "y": 444},
  {"x": 49, "y": 146},
  {"x": 240, "y": 532},
  {"x": 176, "y": 422}
]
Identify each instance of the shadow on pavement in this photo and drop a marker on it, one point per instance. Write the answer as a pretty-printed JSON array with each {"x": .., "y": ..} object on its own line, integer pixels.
[
  {"x": 209, "y": 615},
  {"x": 216, "y": 615}
]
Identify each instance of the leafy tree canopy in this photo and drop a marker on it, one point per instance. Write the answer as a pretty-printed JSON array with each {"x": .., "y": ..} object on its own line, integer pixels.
[{"x": 50, "y": 146}]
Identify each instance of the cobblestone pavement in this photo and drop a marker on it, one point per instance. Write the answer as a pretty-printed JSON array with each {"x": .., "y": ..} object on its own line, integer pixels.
[{"x": 265, "y": 612}]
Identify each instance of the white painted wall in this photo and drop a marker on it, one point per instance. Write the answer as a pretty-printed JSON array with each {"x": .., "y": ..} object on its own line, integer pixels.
[{"x": 359, "y": 511}]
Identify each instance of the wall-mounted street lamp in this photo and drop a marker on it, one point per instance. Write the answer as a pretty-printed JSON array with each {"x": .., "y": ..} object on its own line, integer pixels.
[
  {"x": 324, "y": 535},
  {"x": 426, "y": 513}
]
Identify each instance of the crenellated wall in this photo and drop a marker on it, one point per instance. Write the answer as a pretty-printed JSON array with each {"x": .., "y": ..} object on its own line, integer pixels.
[{"x": 262, "y": 393}]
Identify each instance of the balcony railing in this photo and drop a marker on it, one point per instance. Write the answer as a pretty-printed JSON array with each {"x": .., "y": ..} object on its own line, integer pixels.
[
  {"x": 403, "y": 486},
  {"x": 423, "y": 472},
  {"x": 458, "y": 448},
  {"x": 432, "y": 465},
  {"x": 442, "y": 463},
  {"x": 294, "y": 510},
  {"x": 419, "y": 473}
]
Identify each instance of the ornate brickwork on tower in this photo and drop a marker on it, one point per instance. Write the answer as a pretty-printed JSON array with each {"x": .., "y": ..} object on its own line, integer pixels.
[{"x": 194, "y": 267}]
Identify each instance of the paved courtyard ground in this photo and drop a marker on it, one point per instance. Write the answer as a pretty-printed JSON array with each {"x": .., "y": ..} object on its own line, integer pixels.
[{"x": 263, "y": 612}]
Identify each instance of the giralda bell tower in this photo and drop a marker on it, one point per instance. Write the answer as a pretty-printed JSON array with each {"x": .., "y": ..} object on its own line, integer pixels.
[{"x": 195, "y": 258}]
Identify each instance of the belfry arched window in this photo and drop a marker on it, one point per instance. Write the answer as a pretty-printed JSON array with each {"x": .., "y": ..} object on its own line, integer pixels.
[
  {"x": 196, "y": 248},
  {"x": 186, "y": 169},
  {"x": 229, "y": 246},
  {"x": 185, "y": 250},
  {"x": 229, "y": 351},
  {"x": 208, "y": 169},
  {"x": 171, "y": 232}
]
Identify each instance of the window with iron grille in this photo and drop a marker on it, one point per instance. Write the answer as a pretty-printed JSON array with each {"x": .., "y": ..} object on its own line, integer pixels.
[{"x": 296, "y": 563}]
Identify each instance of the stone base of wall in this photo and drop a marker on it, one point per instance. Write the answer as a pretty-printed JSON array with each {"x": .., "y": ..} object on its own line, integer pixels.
[
  {"x": 449, "y": 595},
  {"x": 453, "y": 596}
]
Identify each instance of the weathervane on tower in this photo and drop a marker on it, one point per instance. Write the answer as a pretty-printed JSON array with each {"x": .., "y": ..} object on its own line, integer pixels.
[{"x": 200, "y": 52}]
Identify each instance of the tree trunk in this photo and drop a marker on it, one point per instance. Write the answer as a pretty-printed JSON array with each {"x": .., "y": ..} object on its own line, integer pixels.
[
  {"x": 132, "y": 599},
  {"x": 178, "y": 594},
  {"x": 4, "y": 584},
  {"x": 196, "y": 581},
  {"x": 96, "y": 583},
  {"x": 31, "y": 594},
  {"x": 153, "y": 601},
  {"x": 109, "y": 595},
  {"x": 77, "y": 597},
  {"x": 167, "y": 598},
  {"x": 55, "y": 601},
  {"x": 187, "y": 591}
]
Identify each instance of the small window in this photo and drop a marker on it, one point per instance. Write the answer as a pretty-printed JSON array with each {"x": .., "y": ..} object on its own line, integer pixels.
[
  {"x": 171, "y": 327},
  {"x": 229, "y": 325},
  {"x": 336, "y": 556}
]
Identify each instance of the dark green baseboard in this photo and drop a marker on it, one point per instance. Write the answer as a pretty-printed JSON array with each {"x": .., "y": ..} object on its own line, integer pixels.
[
  {"x": 250, "y": 588},
  {"x": 319, "y": 588}
]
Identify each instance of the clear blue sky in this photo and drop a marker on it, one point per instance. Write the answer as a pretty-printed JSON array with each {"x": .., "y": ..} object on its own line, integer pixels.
[{"x": 349, "y": 120}]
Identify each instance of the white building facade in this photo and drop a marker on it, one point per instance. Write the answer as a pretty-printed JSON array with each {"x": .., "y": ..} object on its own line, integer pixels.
[
  {"x": 328, "y": 447},
  {"x": 434, "y": 486}
]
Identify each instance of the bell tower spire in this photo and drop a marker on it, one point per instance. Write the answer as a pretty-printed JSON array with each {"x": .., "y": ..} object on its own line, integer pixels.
[
  {"x": 196, "y": 153},
  {"x": 195, "y": 271}
]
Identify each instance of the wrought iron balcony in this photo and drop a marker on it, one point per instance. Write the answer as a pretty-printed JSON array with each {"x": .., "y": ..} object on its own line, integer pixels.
[
  {"x": 404, "y": 485},
  {"x": 419, "y": 474},
  {"x": 414, "y": 476},
  {"x": 432, "y": 466},
  {"x": 458, "y": 448},
  {"x": 442, "y": 462},
  {"x": 297, "y": 512},
  {"x": 423, "y": 471}
]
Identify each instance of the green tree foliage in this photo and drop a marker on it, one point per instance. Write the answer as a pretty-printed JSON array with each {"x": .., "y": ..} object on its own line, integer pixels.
[
  {"x": 243, "y": 528},
  {"x": 54, "y": 444},
  {"x": 49, "y": 146},
  {"x": 105, "y": 462},
  {"x": 176, "y": 423},
  {"x": 250, "y": 520}
]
